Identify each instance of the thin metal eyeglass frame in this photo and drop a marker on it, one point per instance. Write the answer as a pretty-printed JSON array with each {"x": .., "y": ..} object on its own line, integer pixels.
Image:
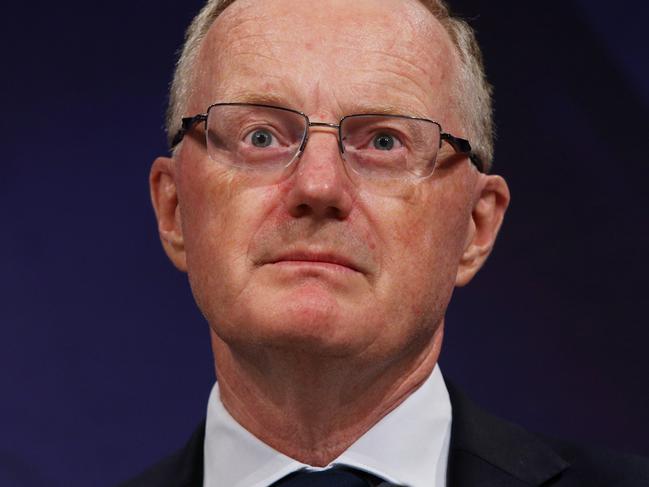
[{"x": 461, "y": 146}]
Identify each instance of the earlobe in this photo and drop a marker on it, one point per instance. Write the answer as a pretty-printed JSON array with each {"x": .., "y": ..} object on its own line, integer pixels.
[
  {"x": 486, "y": 219},
  {"x": 164, "y": 196}
]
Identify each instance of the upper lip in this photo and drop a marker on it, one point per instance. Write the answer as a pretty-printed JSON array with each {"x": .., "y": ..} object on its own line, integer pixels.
[{"x": 316, "y": 256}]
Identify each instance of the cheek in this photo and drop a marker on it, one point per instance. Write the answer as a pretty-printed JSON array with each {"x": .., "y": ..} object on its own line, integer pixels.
[
  {"x": 417, "y": 229},
  {"x": 423, "y": 237},
  {"x": 220, "y": 214}
]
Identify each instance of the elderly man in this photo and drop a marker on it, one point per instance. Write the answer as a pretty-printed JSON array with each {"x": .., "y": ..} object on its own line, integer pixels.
[{"x": 328, "y": 190}]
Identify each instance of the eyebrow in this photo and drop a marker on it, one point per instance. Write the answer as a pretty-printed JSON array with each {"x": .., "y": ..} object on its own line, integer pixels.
[
  {"x": 261, "y": 99},
  {"x": 384, "y": 109}
]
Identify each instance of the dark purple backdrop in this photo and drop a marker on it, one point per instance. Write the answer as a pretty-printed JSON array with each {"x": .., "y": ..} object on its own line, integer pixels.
[{"x": 104, "y": 361}]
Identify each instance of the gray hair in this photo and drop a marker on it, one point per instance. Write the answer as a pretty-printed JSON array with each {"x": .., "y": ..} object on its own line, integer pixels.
[{"x": 472, "y": 92}]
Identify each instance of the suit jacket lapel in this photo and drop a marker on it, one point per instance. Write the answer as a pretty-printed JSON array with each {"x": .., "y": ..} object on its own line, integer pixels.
[
  {"x": 182, "y": 469},
  {"x": 190, "y": 460},
  {"x": 488, "y": 452}
]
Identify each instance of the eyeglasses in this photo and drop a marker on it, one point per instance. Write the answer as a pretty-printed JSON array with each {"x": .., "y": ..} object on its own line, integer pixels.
[{"x": 266, "y": 140}]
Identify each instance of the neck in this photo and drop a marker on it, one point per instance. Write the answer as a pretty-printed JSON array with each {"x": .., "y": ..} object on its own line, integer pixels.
[{"x": 312, "y": 408}]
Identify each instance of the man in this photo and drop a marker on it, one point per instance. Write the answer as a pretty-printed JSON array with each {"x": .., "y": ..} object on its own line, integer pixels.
[{"x": 327, "y": 191}]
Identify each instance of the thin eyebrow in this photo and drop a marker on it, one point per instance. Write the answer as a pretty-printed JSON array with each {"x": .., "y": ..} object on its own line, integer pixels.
[
  {"x": 261, "y": 99},
  {"x": 382, "y": 109}
]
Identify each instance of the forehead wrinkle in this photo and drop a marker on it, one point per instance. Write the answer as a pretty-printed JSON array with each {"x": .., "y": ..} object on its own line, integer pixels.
[
  {"x": 226, "y": 68},
  {"x": 261, "y": 55},
  {"x": 401, "y": 102},
  {"x": 237, "y": 32},
  {"x": 410, "y": 90},
  {"x": 245, "y": 40},
  {"x": 256, "y": 56},
  {"x": 404, "y": 60},
  {"x": 245, "y": 23}
]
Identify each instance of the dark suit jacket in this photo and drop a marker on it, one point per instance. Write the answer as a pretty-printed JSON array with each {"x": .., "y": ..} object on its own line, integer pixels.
[{"x": 485, "y": 452}]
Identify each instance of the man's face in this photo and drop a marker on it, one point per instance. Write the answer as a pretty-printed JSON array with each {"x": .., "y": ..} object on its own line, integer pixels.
[{"x": 316, "y": 262}]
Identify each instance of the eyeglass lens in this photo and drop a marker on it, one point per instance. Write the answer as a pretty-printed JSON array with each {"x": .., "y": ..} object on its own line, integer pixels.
[{"x": 390, "y": 147}]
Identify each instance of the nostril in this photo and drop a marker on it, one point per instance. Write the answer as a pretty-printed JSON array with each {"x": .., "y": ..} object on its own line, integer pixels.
[
  {"x": 335, "y": 212},
  {"x": 302, "y": 210}
]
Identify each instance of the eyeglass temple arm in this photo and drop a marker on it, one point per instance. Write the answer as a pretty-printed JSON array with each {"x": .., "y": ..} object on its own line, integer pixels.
[
  {"x": 186, "y": 125},
  {"x": 463, "y": 146}
]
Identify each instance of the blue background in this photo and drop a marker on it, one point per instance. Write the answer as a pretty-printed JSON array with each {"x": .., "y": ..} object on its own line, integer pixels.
[{"x": 105, "y": 363}]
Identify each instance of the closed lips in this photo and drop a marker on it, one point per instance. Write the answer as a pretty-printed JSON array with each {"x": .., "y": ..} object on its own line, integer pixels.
[{"x": 316, "y": 258}]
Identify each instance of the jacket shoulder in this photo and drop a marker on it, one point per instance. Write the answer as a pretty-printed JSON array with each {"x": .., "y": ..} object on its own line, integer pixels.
[
  {"x": 486, "y": 450},
  {"x": 599, "y": 466},
  {"x": 182, "y": 469}
]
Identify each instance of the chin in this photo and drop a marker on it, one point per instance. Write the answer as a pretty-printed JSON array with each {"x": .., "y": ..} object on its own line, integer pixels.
[{"x": 308, "y": 319}]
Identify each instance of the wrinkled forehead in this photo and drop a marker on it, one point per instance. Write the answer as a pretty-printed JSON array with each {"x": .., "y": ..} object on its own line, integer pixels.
[{"x": 328, "y": 57}]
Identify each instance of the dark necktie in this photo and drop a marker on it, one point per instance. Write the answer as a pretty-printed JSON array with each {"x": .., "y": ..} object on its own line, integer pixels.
[{"x": 333, "y": 477}]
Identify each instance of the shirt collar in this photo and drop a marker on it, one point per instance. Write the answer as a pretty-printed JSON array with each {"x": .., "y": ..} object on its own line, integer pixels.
[{"x": 409, "y": 446}]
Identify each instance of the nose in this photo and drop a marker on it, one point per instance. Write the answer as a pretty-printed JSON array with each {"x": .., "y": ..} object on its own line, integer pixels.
[{"x": 320, "y": 187}]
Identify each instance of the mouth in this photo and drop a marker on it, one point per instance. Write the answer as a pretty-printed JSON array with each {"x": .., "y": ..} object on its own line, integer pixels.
[{"x": 330, "y": 261}]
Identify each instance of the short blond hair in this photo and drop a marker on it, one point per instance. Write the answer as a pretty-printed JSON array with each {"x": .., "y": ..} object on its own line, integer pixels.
[{"x": 472, "y": 91}]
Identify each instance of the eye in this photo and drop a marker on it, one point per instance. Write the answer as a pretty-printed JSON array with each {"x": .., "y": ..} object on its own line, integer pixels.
[
  {"x": 383, "y": 142},
  {"x": 261, "y": 138}
]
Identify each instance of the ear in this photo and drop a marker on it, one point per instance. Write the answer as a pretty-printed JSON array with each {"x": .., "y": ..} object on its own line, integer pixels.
[
  {"x": 486, "y": 218},
  {"x": 162, "y": 183}
]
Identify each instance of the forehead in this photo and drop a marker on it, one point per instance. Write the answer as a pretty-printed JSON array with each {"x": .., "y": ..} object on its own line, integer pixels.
[{"x": 328, "y": 57}]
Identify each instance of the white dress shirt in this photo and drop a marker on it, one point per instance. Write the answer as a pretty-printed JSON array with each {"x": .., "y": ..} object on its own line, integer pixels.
[{"x": 409, "y": 446}]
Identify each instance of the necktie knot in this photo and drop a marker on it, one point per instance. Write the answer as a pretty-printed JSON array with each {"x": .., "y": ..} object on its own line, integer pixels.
[{"x": 333, "y": 477}]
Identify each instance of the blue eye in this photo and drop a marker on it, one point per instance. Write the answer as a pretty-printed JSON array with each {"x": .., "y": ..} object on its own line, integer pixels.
[
  {"x": 261, "y": 138},
  {"x": 383, "y": 142}
]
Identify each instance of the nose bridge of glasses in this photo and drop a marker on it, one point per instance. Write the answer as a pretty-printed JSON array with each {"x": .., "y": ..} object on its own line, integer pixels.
[
  {"x": 324, "y": 124},
  {"x": 322, "y": 127}
]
